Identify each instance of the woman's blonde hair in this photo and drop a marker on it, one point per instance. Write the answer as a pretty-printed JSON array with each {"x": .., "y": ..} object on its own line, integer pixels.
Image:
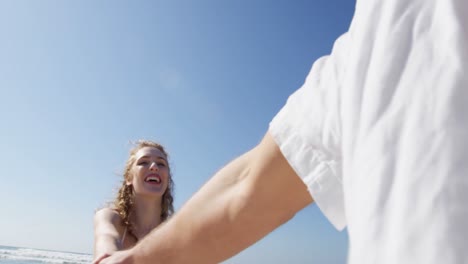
[{"x": 124, "y": 202}]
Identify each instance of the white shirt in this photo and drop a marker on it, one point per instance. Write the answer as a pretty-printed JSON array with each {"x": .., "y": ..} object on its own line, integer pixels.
[{"x": 379, "y": 132}]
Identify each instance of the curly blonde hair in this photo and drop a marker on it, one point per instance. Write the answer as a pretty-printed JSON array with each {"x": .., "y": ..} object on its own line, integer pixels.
[{"x": 124, "y": 202}]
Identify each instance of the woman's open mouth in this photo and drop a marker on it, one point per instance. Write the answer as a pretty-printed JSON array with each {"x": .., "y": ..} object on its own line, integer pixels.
[{"x": 153, "y": 179}]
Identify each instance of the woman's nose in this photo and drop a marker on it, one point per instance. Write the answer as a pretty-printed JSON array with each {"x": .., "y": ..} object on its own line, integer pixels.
[{"x": 154, "y": 166}]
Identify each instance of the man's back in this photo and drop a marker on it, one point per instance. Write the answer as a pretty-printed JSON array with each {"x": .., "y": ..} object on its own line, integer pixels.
[
  {"x": 379, "y": 132},
  {"x": 404, "y": 126}
]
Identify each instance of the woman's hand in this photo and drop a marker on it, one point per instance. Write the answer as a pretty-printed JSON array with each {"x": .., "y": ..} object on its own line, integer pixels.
[
  {"x": 100, "y": 258},
  {"x": 119, "y": 257}
]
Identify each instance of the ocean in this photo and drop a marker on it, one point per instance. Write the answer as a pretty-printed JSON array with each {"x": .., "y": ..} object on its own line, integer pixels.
[{"x": 18, "y": 255}]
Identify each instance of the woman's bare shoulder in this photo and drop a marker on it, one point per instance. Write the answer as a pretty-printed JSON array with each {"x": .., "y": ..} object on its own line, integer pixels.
[{"x": 108, "y": 214}]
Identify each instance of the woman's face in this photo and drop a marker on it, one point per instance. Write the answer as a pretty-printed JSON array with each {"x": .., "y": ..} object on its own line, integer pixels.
[{"x": 150, "y": 172}]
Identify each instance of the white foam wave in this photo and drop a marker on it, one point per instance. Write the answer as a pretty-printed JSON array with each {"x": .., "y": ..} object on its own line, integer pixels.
[{"x": 44, "y": 256}]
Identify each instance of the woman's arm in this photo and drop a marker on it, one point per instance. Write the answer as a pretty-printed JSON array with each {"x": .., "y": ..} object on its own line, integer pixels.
[
  {"x": 242, "y": 203},
  {"x": 106, "y": 233}
]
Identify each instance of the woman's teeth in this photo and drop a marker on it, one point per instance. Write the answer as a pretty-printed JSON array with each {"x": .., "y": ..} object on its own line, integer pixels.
[{"x": 153, "y": 179}]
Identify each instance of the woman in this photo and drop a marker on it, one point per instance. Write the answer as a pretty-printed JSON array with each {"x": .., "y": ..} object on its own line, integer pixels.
[{"x": 143, "y": 202}]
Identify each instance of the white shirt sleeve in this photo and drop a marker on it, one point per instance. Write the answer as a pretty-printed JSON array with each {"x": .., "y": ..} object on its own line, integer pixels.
[{"x": 307, "y": 130}]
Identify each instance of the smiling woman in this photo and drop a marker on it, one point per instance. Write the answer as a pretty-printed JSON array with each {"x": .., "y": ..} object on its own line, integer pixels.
[{"x": 143, "y": 201}]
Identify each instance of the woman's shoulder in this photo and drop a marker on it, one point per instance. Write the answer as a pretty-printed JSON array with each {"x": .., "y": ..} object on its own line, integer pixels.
[{"x": 108, "y": 214}]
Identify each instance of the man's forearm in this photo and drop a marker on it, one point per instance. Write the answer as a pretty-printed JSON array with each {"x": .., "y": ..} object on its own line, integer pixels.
[{"x": 242, "y": 203}]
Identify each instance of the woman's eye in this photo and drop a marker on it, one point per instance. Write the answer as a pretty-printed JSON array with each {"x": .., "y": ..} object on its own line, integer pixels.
[
  {"x": 161, "y": 165},
  {"x": 143, "y": 163}
]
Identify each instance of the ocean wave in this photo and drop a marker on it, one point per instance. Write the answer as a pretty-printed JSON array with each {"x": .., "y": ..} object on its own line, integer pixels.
[{"x": 44, "y": 256}]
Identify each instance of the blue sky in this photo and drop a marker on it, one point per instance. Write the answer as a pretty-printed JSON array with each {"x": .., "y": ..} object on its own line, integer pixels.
[{"x": 80, "y": 79}]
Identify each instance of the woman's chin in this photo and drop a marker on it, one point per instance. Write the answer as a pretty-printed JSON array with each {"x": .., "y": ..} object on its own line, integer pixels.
[{"x": 157, "y": 193}]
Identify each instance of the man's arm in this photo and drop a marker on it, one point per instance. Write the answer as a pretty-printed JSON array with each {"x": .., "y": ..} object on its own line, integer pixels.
[{"x": 242, "y": 203}]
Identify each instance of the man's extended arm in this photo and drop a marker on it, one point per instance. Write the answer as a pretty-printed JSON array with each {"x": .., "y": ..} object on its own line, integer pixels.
[{"x": 243, "y": 202}]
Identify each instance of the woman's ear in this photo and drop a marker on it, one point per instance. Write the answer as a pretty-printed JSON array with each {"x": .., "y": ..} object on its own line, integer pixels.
[{"x": 128, "y": 182}]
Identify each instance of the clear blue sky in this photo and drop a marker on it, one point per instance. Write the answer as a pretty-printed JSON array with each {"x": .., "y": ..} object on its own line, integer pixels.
[{"x": 80, "y": 79}]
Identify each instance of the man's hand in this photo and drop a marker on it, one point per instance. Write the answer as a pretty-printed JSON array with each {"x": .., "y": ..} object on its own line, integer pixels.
[{"x": 119, "y": 257}]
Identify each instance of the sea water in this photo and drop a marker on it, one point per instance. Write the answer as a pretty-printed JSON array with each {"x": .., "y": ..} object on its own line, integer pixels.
[{"x": 18, "y": 255}]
